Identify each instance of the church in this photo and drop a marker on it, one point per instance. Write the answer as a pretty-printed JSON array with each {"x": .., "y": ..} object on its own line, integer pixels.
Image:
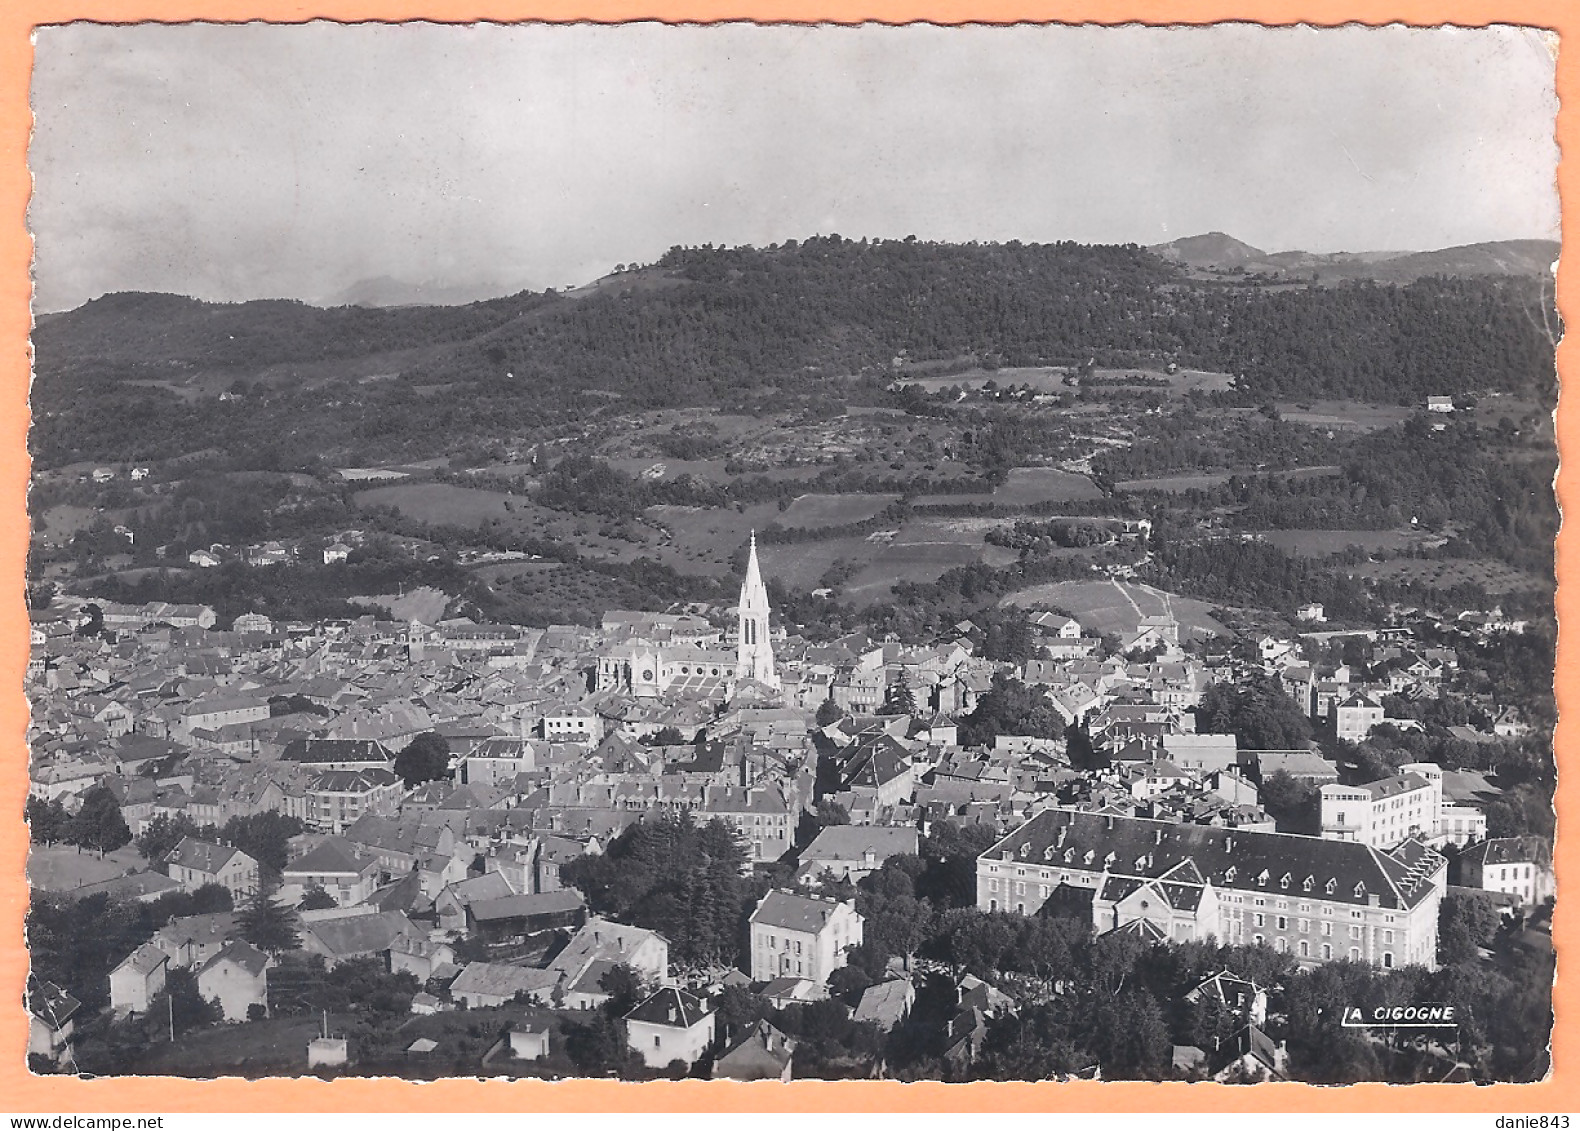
[{"x": 654, "y": 664}]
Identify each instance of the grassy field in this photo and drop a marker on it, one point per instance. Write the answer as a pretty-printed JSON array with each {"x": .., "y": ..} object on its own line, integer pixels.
[
  {"x": 1493, "y": 576},
  {"x": 1026, "y": 486},
  {"x": 1118, "y": 606},
  {"x": 1343, "y": 416},
  {"x": 444, "y": 503},
  {"x": 801, "y": 565},
  {"x": 1321, "y": 543},
  {"x": 833, "y": 510},
  {"x": 424, "y": 605},
  {"x": 1050, "y": 379},
  {"x": 1175, "y": 484},
  {"x": 61, "y": 867},
  {"x": 702, "y": 540},
  {"x": 922, "y": 551}
]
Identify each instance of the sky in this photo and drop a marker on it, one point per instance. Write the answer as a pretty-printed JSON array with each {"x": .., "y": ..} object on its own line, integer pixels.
[{"x": 249, "y": 161}]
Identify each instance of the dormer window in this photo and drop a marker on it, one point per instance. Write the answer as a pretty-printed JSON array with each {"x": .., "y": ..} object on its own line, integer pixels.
[
  {"x": 1108, "y": 861},
  {"x": 1229, "y": 874},
  {"x": 1069, "y": 855},
  {"x": 1360, "y": 890},
  {"x": 1284, "y": 882},
  {"x": 1330, "y": 887},
  {"x": 1025, "y": 850},
  {"x": 1087, "y": 859},
  {"x": 1047, "y": 853},
  {"x": 1306, "y": 884},
  {"x": 1141, "y": 862},
  {"x": 1262, "y": 877}
]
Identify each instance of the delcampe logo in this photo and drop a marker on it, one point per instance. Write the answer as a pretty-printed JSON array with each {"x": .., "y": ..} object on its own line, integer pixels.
[{"x": 1399, "y": 1016}]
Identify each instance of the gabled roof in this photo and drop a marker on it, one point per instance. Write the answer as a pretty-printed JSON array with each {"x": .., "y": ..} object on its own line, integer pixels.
[
  {"x": 851, "y": 842},
  {"x": 359, "y": 934},
  {"x": 144, "y": 960},
  {"x": 201, "y": 855},
  {"x": 672, "y": 1008},
  {"x": 242, "y": 954},
  {"x": 333, "y": 855},
  {"x": 517, "y": 906}
]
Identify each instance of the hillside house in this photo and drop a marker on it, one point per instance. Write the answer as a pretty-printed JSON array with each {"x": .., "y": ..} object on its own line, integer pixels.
[
  {"x": 194, "y": 863},
  {"x": 669, "y": 1026},
  {"x": 237, "y": 978},
  {"x": 801, "y": 936}
]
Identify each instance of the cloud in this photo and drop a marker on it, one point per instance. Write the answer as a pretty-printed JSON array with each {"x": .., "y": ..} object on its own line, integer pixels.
[{"x": 236, "y": 161}]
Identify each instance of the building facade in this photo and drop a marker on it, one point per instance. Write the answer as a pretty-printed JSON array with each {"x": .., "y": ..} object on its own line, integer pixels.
[
  {"x": 1318, "y": 900},
  {"x": 799, "y": 936}
]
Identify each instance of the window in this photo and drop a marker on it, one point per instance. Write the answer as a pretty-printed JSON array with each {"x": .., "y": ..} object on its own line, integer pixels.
[
  {"x": 1283, "y": 923},
  {"x": 1261, "y": 920},
  {"x": 1257, "y": 940},
  {"x": 1355, "y": 954},
  {"x": 658, "y": 1042},
  {"x": 1355, "y": 932},
  {"x": 1305, "y": 949},
  {"x": 1327, "y": 930},
  {"x": 1388, "y": 936},
  {"x": 1327, "y": 952},
  {"x": 1388, "y": 960},
  {"x": 1020, "y": 888}
]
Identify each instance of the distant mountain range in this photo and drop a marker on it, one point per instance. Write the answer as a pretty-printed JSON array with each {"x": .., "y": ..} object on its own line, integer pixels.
[{"x": 1215, "y": 253}]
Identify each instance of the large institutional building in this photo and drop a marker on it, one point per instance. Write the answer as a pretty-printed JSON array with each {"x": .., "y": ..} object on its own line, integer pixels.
[{"x": 1318, "y": 900}]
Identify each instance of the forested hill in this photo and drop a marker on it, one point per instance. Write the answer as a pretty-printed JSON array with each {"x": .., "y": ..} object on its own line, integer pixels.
[{"x": 716, "y": 325}]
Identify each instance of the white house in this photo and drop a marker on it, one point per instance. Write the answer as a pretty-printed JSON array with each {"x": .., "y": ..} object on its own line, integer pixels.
[
  {"x": 801, "y": 936},
  {"x": 138, "y": 979},
  {"x": 671, "y": 1025}
]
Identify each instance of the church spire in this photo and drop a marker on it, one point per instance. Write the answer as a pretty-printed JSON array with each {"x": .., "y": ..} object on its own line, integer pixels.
[{"x": 754, "y": 656}]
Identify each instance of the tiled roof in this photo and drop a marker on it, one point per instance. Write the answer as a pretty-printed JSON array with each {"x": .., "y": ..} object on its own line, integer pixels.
[
  {"x": 793, "y": 912},
  {"x": 242, "y": 954},
  {"x": 1228, "y": 858},
  {"x": 200, "y": 855},
  {"x": 332, "y": 855},
  {"x": 671, "y": 1007}
]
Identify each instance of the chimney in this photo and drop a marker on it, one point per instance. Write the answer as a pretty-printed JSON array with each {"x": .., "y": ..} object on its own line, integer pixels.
[
  {"x": 671, "y": 1014},
  {"x": 1109, "y": 822},
  {"x": 1228, "y": 844},
  {"x": 1158, "y": 837}
]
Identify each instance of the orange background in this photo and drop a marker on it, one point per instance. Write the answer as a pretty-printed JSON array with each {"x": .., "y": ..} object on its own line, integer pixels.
[{"x": 22, "y": 1093}]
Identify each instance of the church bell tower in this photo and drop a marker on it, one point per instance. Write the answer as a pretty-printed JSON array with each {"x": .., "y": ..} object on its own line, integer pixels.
[{"x": 754, "y": 654}]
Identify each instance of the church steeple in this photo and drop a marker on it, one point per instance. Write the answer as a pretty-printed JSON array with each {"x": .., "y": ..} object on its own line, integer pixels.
[{"x": 754, "y": 656}]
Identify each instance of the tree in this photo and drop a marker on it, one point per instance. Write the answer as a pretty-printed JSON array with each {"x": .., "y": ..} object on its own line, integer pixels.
[
  {"x": 162, "y": 834},
  {"x": 624, "y": 987},
  {"x": 1010, "y": 707},
  {"x": 98, "y": 825},
  {"x": 1079, "y": 750},
  {"x": 268, "y": 925},
  {"x": 897, "y": 698},
  {"x": 1257, "y": 712},
  {"x": 47, "y": 821},
  {"x": 425, "y": 758},
  {"x": 1292, "y": 804},
  {"x": 828, "y": 713},
  {"x": 1465, "y": 921},
  {"x": 317, "y": 899},
  {"x": 596, "y": 1046}
]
